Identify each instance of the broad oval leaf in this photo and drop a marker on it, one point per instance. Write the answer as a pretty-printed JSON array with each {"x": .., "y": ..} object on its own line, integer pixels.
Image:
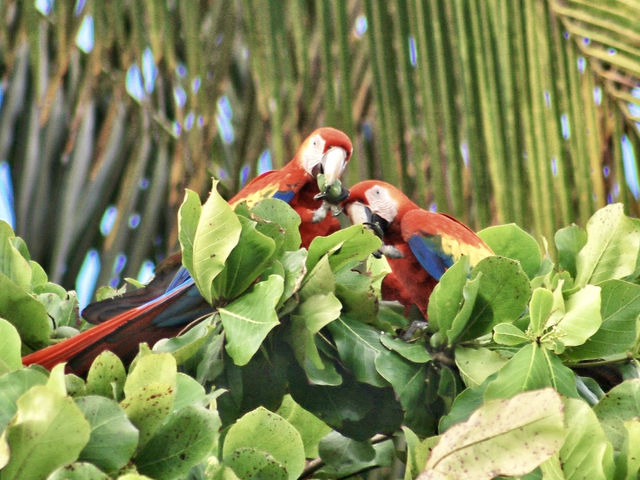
[
  {"x": 532, "y": 367},
  {"x": 585, "y": 453},
  {"x": 188, "y": 217},
  {"x": 185, "y": 438},
  {"x": 79, "y": 471},
  {"x": 511, "y": 241},
  {"x": 48, "y": 431},
  {"x": 113, "y": 438},
  {"x": 530, "y": 423},
  {"x": 268, "y": 432},
  {"x": 611, "y": 251},
  {"x": 106, "y": 376},
  {"x": 249, "y": 319},
  {"x": 622, "y": 403}
]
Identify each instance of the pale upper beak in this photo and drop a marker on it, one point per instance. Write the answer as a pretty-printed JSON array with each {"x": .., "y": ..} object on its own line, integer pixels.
[{"x": 334, "y": 161}]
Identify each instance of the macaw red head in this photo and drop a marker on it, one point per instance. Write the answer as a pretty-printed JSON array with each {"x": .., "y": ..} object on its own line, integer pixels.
[
  {"x": 326, "y": 151},
  {"x": 377, "y": 204}
]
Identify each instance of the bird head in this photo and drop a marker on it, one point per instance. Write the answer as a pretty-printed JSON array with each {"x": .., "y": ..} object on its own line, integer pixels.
[
  {"x": 324, "y": 155},
  {"x": 377, "y": 204}
]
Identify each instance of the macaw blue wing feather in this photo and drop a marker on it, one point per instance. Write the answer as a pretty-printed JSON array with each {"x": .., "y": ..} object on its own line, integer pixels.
[
  {"x": 285, "y": 196},
  {"x": 428, "y": 252}
]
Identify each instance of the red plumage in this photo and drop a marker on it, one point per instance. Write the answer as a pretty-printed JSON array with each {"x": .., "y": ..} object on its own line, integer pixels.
[{"x": 420, "y": 244}]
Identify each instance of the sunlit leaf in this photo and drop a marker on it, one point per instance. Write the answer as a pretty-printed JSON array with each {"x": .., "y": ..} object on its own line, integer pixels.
[
  {"x": 245, "y": 262},
  {"x": 310, "y": 427},
  {"x": 620, "y": 304},
  {"x": 215, "y": 237},
  {"x": 611, "y": 251},
  {"x": 530, "y": 423},
  {"x": 512, "y": 241},
  {"x": 266, "y": 432},
  {"x": 476, "y": 364},
  {"x": 48, "y": 431},
  {"x": 585, "y": 453},
  {"x": 9, "y": 348},
  {"x": 532, "y": 367},
  {"x": 106, "y": 376}
]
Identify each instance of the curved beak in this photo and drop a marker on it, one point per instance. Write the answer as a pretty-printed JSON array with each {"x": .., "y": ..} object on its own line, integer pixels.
[{"x": 335, "y": 161}]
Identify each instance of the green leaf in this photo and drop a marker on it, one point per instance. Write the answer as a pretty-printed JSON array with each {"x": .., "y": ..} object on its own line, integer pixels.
[
  {"x": 47, "y": 431},
  {"x": 216, "y": 235},
  {"x": 580, "y": 320},
  {"x": 417, "y": 453},
  {"x": 188, "y": 217},
  {"x": 185, "y": 438},
  {"x": 307, "y": 320},
  {"x": 245, "y": 262},
  {"x": 184, "y": 346},
  {"x": 344, "y": 456},
  {"x": 10, "y": 358},
  {"x": 347, "y": 246},
  {"x": 294, "y": 264},
  {"x": 78, "y": 471},
  {"x": 188, "y": 392},
  {"x": 461, "y": 321},
  {"x": 310, "y": 427},
  {"x": 503, "y": 296},
  {"x": 358, "y": 345},
  {"x": 113, "y": 438},
  {"x": 320, "y": 279},
  {"x": 25, "y": 313},
  {"x": 409, "y": 381},
  {"x": 513, "y": 242},
  {"x": 585, "y": 453},
  {"x": 446, "y": 299},
  {"x": 540, "y": 307},
  {"x": 150, "y": 392},
  {"x": 249, "y": 319},
  {"x": 629, "y": 452},
  {"x": 280, "y": 213},
  {"x": 508, "y": 334},
  {"x": 532, "y": 367},
  {"x": 619, "y": 306},
  {"x": 356, "y": 294},
  {"x": 413, "y": 351},
  {"x": 13, "y": 263},
  {"x": 355, "y": 409},
  {"x": 252, "y": 464},
  {"x": 106, "y": 376},
  {"x": 620, "y": 404},
  {"x": 569, "y": 241},
  {"x": 12, "y": 386},
  {"x": 264, "y": 431},
  {"x": 530, "y": 423},
  {"x": 476, "y": 364},
  {"x": 611, "y": 251}
]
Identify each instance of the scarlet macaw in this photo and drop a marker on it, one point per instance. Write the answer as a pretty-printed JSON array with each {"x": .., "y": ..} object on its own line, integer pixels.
[
  {"x": 419, "y": 245},
  {"x": 171, "y": 301}
]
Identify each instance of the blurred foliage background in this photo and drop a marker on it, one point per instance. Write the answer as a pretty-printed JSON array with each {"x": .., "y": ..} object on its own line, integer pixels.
[{"x": 495, "y": 111}]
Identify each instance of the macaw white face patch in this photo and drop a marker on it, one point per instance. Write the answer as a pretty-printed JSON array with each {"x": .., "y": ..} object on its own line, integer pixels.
[
  {"x": 312, "y": 152},
  {"x": 381, "y": 203}
]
